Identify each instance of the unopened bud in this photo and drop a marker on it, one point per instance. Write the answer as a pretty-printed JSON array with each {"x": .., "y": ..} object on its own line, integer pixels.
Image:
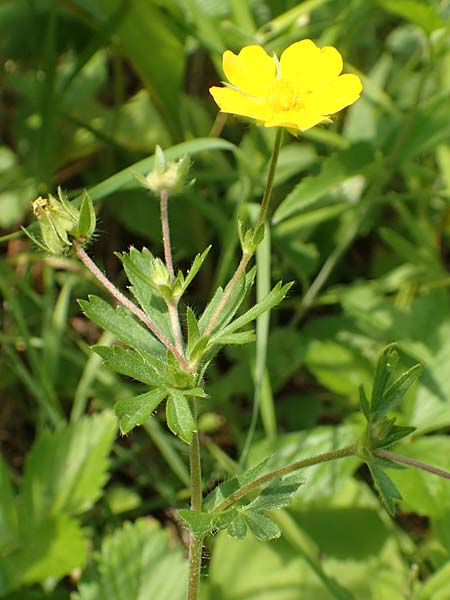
[
  {"x": 60, "y": 222},
  {"x": 167, "y": 176}
]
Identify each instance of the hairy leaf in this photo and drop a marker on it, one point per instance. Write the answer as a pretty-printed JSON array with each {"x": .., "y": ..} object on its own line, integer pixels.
[{"x": 136, "y": 411}]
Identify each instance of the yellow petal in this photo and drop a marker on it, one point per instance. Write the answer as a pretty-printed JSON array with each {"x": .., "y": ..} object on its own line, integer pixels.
[
  {"x": 335, "y": 96},
  {"x": 310, "y": 66},
  {"x": 295, "y": 119},
  {"x": 231, "y": 101},
  {"x": 252, "y": 70}
]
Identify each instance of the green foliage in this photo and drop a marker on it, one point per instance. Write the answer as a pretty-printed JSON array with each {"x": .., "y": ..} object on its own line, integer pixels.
[
  {"x": 157, "y": 569},
  {"x": 359, "y": 216},
  {"x": 64, "y": 475}
]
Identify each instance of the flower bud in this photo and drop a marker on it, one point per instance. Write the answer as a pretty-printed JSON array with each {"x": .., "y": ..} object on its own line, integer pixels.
[
  {"x": 169, "y": 177},
  {"x": 60, "y": 222}
]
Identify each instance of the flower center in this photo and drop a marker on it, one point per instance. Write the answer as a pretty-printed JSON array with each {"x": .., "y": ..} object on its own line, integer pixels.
[{"x": 284, "y": 95}]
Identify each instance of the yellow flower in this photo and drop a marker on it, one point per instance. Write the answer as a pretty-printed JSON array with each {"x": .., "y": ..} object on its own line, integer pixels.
[{"x": 300, "y": 90}]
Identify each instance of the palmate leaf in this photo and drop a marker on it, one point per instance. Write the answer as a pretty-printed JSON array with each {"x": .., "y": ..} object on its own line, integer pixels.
[
  {"x": 138, "y": 561},
  {"x": 242, "y": 514},
  {"x": 66, "y": 469},
  {"x": 122, "y": 324}
]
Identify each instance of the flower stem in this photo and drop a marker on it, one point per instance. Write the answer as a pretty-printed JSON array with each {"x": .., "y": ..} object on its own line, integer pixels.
[
  {"x": 166, "y": 233},
  {"x": 299, "y": 464},
  {"x": 172, "y": 305},
  {"x": 195, "y": 541},
  {"x": 261, "y": 218},
  {"x": 127, "y": 303},
  {"x": 411, "y": 462},
  {"x": 270, "y": 177}
]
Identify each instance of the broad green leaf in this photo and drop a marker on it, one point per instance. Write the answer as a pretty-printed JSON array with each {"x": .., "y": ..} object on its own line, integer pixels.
[
  {"x": 388, "y": 491},
  {"x": 335, "y": 170},
  {"x": 121, "y": 323},
  {"x": 278, "y": 494},
  {"x": 420, "y": 12},
  {"x": 179, "y": 416},
  {"x": 136, "y": 411},
  {"x": 66, "y": 469},
  {"x": 229, "y": 487},
  {"x": 139, "y": 365},
  {"x": 138, "y": 561},
  {"x": 8, "y": 516},
  {"x": 272, "y": 299},
  {"x": 262, "y": 527},
  {"x": 49, "y": 549}
]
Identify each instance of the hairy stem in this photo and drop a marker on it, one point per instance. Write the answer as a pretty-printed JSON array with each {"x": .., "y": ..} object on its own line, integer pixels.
[
  {"x": 166, "y": 233},
  {"x": 172, "y": 305},
  {"x": 261, "y": 218},
  {"x": 299, "y": 464},
  {"x": 127, "y": 303},
  {"x": 412, "y": 463},
  {"x": 195, "y": 541}
]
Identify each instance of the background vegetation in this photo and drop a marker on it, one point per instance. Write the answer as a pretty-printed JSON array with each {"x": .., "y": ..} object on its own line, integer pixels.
[{"x": 361, "y": 222}]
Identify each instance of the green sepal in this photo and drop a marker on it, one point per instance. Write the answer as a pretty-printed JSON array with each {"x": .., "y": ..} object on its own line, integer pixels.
[{"x": 87, "y": 219}]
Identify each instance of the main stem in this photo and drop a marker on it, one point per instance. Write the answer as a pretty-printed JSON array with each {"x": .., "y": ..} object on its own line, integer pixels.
[
  {"x": 127, "y": 303},
  {"x": 172, "y": 305},
  {"x": 195, "y": 541},
  {"x": 261, "y": 218}
]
